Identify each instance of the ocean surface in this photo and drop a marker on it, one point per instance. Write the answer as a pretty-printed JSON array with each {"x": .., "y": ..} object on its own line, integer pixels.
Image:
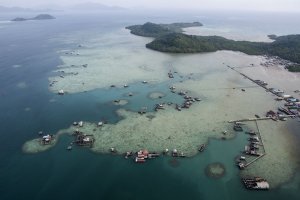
[{"x": 29, "y": 55}]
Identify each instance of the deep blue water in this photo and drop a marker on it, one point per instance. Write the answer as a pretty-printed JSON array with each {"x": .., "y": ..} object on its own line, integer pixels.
[{"x": 81, "y": 174}]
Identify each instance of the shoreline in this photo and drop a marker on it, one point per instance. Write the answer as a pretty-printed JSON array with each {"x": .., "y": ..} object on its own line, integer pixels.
[{"x": 218, "y": 87}]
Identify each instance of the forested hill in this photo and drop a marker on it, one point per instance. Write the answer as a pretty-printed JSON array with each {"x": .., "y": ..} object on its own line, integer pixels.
[
  {"x": 169, "y": 38},
  {"x": 286, "y": 47},
  {"x": 155, "y": 30}
]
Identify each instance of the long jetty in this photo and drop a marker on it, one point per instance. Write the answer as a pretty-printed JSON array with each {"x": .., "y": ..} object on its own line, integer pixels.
[
  {"x": 252, "y": 80},
  {"x": 249, "y": 119},
  {"x": 258, "y": 119}
]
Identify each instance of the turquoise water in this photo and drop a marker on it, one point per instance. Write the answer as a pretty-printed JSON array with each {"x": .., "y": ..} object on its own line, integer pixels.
[{"x": 81, "y": 174}]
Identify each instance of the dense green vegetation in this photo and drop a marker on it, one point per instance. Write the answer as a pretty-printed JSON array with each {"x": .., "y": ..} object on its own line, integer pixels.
[
  {"x": 148, "y": 30},
  {"x": 170, "y": 39},
  {"x": 294, "y": 68},
  {"x": 156, "y": 30},
  {"x": 286, "y": 47},
  {"x": 181, "y": 43}
]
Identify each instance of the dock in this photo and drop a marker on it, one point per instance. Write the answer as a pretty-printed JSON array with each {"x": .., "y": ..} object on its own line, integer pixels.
[
  {"x": 262, "y": 144},
  {"x": 249, "y": 119},
  {"x": 258, "y": 119},
  {"x": 262, "y": 84},
  {"x": 242, "y": 164}
]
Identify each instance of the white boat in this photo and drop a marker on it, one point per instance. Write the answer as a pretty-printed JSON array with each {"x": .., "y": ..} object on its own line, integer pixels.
[
  {"x": 242, "y": 158},
  {"x": 80, "y": 123},
  {"x": 61, "y": 92},
  {"x": 140, "y": 160},
  {"x": 69, "y": 148},
  {"x": 100, "y": 123},
  {"x": 286, "y": 96}
]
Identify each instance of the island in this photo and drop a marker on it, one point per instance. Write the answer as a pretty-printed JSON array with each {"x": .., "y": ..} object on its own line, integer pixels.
[
  {"x": 156, "y": 30},
  {"x": 38, "y": 17},
  {"x": 169, "y": 38}
]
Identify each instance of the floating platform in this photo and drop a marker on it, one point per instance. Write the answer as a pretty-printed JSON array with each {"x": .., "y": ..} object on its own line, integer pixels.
[{"x": 256, "y": 183}]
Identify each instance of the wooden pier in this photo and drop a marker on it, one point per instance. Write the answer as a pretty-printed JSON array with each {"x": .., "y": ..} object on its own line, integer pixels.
[
  {"x": 258, "y": 119},
  {"x": 249, "y": 119},
  {"x": 244, "y": 75},
  {"x": 259, "y": 137},
  {"x": 252, "y": 161},
  {"x": 252, "y": 80}
]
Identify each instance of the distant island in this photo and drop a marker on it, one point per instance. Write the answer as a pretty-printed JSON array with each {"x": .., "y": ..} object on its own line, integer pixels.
[
  {"x": 156, "y": 30},
  {"x": 38, "y": 17},
  {"x": 169, "y": 38}
]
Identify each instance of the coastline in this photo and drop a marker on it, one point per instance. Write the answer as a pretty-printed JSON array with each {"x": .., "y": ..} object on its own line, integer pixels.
[{"x": 208, "y": 78}]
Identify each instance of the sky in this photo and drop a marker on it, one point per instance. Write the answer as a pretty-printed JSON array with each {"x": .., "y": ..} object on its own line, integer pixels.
[{"x": 259, "y": 5}]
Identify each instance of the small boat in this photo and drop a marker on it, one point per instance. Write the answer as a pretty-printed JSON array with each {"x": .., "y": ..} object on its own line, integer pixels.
[
  {"x": 75, "y": 123},
  {"x": 178, "y": 108},
  {"x": 100, "y": 123},
  {"x": 80, "y": 124},
  {"x": 61, "y": 92},
  {"x": 256, "y": 183},
  {"x": 159, "y": 106},
  {"x": 197, "y": 99},
  {"x": 259, "y": 82},
  {"x": 242, "y": 158},
  {"x": 277, "y": 91},
  {"x": 241, "y": 165},
  {"x": 139, "y": 160},
  {"x": 113, "y": 150},
  {"x": 257, "y": 116},
  {"x": 166, "y": 151},
  {"x": 279, "y": 99},
  {"x": 125, "y": 86},
  {"x": 252, "y": 132},
  {"x": 170, "y": 75},
  {"x": 237, "y": 127},
  {"x": 182, "y": 155},
  {"x": 69, "y": 148},
  {"x": 254, "y": 146},
  {"x": 128, "y": 154},
  {"x": 254, "y": 138},
  {"x": 201, "y": 147},
  {"x": 182, "y": 93},
  {"x": 145, "y": 82},
  {"x": 153, "y": 155},
  {"x": 175, "y": 153}
]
